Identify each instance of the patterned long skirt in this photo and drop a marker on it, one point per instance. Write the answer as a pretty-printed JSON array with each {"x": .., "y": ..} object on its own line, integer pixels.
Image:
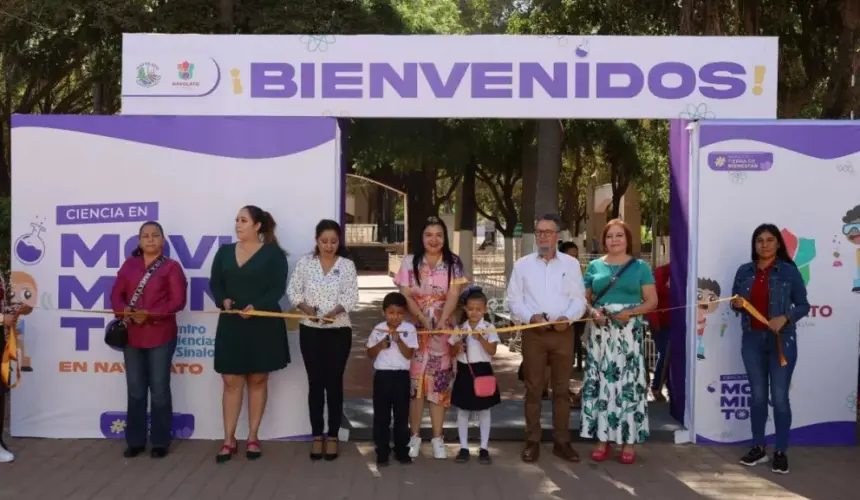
[{"x": 615, "y": 394}]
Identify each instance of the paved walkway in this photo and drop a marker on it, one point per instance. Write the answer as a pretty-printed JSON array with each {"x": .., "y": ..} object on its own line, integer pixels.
[
  {"x": 87, "y": 469},
  {"x": 95, "y": 469}
]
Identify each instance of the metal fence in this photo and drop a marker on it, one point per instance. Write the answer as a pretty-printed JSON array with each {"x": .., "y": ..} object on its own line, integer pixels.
[{"x": 365, "y": 234}]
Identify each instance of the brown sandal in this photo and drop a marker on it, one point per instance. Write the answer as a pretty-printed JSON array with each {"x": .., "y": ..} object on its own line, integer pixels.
[
  {"x": 331, "y": 452},
  {"x": 317, "y": 448}
]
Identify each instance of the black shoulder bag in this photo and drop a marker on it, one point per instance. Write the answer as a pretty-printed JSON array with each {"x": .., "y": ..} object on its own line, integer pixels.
[
  {"x": 116, "y": 333},
  {"x": 612, "y": 282}
]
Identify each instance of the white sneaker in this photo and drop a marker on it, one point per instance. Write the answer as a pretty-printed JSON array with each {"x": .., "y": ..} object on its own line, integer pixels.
[
  {"x": 6, "y": 456},
  {"x": 439, "y": 450},
  {"x": 414, "y": 446}
]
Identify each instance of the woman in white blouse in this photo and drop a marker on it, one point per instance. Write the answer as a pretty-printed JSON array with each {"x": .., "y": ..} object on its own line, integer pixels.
[{"x": 324, "y": 285}]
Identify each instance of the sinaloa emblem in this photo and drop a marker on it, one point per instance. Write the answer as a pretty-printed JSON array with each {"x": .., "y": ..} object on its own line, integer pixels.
[{"x": 147, "y": 75}]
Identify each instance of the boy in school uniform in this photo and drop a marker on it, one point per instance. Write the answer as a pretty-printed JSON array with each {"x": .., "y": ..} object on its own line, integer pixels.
[{"x": 391, "y": 345}]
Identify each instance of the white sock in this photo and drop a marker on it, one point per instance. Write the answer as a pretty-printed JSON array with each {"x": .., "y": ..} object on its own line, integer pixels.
[
  {"x": 463, "y": 427},
  {"x": 484, "y": 420}
]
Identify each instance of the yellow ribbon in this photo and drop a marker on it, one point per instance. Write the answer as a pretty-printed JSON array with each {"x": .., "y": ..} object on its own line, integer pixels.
[
  {"x": 518, "y": 328},
  {"x": 10, "y": 353},
  {"x": 759, "y": 316},
  {"x": 531, "y": 326}
]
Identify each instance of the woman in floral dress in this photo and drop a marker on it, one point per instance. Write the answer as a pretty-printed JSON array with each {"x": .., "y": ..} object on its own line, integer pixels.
[
  {"x": 431, "y": 280},
  {"x": 621, "y": 291}
]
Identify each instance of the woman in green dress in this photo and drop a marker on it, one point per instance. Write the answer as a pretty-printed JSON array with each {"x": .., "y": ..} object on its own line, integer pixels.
[
  {"x": 620, "y": 291},
  {"x": 248, "y": 275}
]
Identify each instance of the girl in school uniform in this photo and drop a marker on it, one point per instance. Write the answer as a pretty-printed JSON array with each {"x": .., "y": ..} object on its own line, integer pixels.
[{"x": 474, "y": 353}]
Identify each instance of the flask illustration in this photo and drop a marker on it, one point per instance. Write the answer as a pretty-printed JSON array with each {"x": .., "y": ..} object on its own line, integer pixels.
[{"x": 30, "y": 248}]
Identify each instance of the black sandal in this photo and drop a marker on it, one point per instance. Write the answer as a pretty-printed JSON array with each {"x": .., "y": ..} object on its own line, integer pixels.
[
  {"x": 331, "y": 452},
  {"x": 317, "y": 449}
]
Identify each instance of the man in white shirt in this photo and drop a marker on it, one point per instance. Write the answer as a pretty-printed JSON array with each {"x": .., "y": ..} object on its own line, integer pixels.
[{"x": 547, "y": 286}]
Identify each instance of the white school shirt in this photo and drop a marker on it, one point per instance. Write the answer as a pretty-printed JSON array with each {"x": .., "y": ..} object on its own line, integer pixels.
[
  {"x": 308, "y": 284},
  {"x": 476, "y": 352},
  {"x": 392, "y": 358},
  {"x": 554, "y": 287}
]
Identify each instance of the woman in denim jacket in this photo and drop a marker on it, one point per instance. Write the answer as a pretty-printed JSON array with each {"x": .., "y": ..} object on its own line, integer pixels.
[{"x": 774, "y": 286}]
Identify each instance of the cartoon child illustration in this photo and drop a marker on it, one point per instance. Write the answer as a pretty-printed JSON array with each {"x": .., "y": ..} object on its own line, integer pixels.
[
  {"x": 709, "y": 291},
  {"x": 23, "y": 290},
  {"x": 851, "y": 230}
]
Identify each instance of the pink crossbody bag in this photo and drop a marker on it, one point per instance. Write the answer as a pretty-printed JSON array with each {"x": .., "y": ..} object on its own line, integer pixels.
[{"x": 485, "y": 385}]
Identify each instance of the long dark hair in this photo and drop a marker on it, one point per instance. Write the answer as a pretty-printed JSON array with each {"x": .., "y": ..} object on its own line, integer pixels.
[
  {"x": 267, "y": 223},
  {"x": 137, "y": 252},
  {"x": 330, "y": 225},
  {"x": 448, "y": 257},
  {"x": 781, "y": 251}
]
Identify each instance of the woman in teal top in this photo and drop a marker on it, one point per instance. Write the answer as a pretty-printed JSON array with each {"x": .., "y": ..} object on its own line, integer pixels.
[
  {"x": 615, "y": 394},
  {"x": 246, "y": 276}
]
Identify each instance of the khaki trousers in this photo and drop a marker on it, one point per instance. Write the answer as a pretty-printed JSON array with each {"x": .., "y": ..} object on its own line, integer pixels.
[{"x": 554, "y": 349}]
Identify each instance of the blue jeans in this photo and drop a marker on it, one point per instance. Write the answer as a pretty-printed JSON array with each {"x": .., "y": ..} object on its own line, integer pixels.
[
  {"x": 761, "y": 360},
  {"x": 661, "y": 342},
  {"x": 147, "y": 374}
]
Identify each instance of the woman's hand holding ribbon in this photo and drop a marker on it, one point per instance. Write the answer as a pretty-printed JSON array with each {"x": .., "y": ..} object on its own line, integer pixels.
[
  {"x": 621, "y": 317},
  {"x": 777, "y": 324},
  {"x": 249, "y": 307},
  {"x": 598, "y": 317}
]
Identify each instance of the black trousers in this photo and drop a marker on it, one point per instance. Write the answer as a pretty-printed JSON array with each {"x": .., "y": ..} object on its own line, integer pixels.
[
  {"x": 325, "y": 352},
  {"x": 391, "y": 395}
]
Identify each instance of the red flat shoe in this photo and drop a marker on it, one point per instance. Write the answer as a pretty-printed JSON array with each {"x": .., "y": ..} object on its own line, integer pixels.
[
  {"x": 226, "y": 452},
  {"x": 627, "y": 457},
  {"x": 253, "y": 454},
  {"x": 600, "y": 455}
]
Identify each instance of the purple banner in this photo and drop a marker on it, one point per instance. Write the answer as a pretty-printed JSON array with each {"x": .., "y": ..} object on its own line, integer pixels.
[
  {"x": 113, "y": 424},
  {"x": 256, "y": 137},
  {"x": 105, "y": 213},
  {"x": 747, "y": 161},
  {"x": 679, "y": 213},
  {"x": 820, "y": 434}
]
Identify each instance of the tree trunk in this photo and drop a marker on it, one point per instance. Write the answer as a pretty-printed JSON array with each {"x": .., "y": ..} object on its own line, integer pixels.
[
  {"x": 467, "y": 214},
  {"x": 751, "y": 17},
  {"x": 688, "y": 8},
  {"x": 382, "y": 217},
  {"x": 527, "y": 205},
  {"x": 840, "y": 98},
  {"x": 510, "y": 241},
  {"x": 98, "y": 98},
  {"x": 420, "y": 198},
  {"x": 617, "y": 194},
  {"x": 225, "y": 16},
  {"x": 548, "y": 167},
  {"x": 712, "y": 18}
]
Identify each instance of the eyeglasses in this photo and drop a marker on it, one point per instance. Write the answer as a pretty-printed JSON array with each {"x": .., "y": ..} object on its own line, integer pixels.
[{"x": 544, "y": 234}]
